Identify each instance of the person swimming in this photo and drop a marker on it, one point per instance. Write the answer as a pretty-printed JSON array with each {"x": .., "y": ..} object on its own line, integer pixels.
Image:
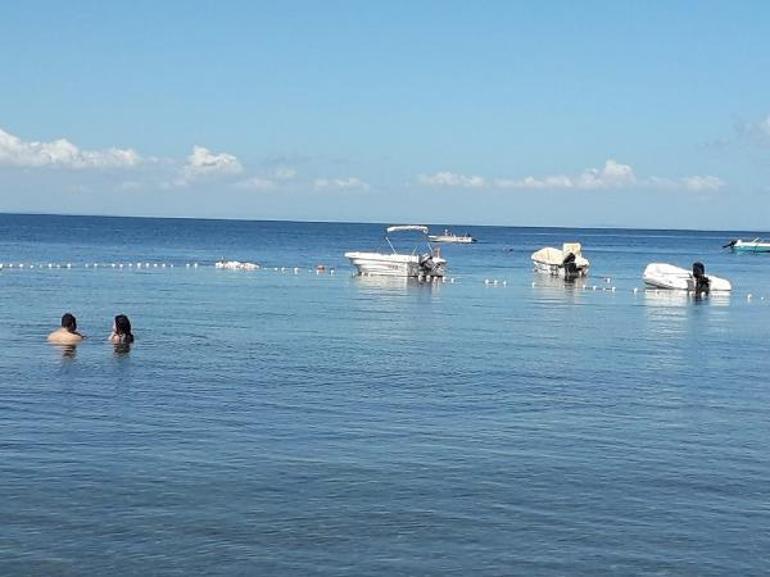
[
  {"x": 121, "y": 331},
  {"x": 68, "y": 333}
]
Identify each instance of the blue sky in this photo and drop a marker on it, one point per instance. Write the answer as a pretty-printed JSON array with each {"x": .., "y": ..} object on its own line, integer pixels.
[{"x": 552, "y": 113}]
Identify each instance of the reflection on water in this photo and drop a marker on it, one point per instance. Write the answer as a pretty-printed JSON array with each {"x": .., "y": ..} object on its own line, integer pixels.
[
  {"x": 121, "y": 349},
  {"x": 551, "y": 287},
  {"x": 394, "y": 284},
  {"x": 67, "y": 352},
  {"x": 662, "y": 297}
]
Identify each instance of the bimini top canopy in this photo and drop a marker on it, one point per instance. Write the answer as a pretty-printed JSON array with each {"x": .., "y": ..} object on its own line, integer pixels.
[{"x": 408, "y": 227}]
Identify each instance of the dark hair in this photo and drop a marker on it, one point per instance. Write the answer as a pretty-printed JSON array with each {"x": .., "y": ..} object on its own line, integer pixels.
[
  {"x": 123, "y": 328},
  {"x": 68, "y": 322}
]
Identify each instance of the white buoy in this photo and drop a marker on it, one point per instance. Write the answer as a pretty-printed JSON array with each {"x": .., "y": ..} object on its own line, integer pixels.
[
  {"x": 593, "y": 288},
  {"x": 486, "y": 281},
  {"x": 613, "y": 289},
  {"x": 748, "y": 297},
  {"x": 608, "y": 280},
  {"x": 296, "y": 270},
  {"x": 331, "y": 271},
  {"x": 120, "y": 265},
  {"x": 505, "y": 283},
  {"x": 533, "y": 284},
  {"x": 636, "y": 290},
  {"x": 187, "y": 265},
  {"x": 452, "y": 280},
  {"x": 163, "y": 265},
  {"x": 69, "y": 265},
  {"x": 195, "y": 265},
  {"x": 171, "y": 265}
]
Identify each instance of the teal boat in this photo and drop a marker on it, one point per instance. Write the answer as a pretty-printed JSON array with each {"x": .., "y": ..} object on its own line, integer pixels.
[{"x": 756, "y": 245}]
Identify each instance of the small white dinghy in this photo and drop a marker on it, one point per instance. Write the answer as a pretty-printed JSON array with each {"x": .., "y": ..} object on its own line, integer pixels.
[
  {"x": 567, "y": 262},
  {"x": 667, "y": 276}
]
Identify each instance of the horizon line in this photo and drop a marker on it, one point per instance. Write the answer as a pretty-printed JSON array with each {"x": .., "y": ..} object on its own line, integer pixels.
[{"x": 372, "y": 222}]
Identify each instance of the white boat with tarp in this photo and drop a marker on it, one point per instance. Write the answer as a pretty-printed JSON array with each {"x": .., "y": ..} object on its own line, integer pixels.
[
  {"x": 756, "y": 245},
  {"x": 669, "y": 277},
  {"x": 568, "y": 262},
  {"x": 422, "y": 262}
]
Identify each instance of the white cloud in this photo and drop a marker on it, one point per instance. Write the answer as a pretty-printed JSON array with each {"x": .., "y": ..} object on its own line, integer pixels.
[
  {"x": 284, "y": 173},
  {"x": 452, "y": 180},
  {"x": 202, "y": 162},
  {"x": 755, "y": 133},
  {"x": 257, "y": 183},
  {"x": 61, "y": 153},
  {"x": 691, "y": 183},
  {"x": 612, "y": 176},
  {"x": 349, "y": 183}
]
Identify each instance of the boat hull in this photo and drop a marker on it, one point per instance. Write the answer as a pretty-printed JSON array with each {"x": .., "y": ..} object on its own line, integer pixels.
[
  {"x": 451, "y": 239},
  {"x": 670, "y": 277},
  {"x": 396, "y": 265},
  {"x": 558, "y": 270},
  {"x": 754, "y": 246}
]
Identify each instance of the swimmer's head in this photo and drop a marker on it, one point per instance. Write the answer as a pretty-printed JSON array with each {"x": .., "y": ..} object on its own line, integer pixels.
[
  {"x": 68, "y": 322},
  {"x": 123, "y": 326}
]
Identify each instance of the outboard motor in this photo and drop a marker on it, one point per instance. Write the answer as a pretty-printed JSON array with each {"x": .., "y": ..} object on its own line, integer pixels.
[
  {"x": 570, "y": 268},
  {"x": 702, "y": 282},
  {"x": 427, "y": 263}
]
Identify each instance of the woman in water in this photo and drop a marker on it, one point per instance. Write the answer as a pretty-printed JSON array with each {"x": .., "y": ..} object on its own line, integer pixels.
[
  {"x": 121, "y": 331},
  {"x": 68, "y": 333}
]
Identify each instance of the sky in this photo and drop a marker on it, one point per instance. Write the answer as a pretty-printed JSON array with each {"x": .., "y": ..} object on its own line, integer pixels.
[{"x": 636, "y": 114}]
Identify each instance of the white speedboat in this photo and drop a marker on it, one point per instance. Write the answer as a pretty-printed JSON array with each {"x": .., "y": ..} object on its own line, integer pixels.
[
  {"x": 450, "y": 237},
  {"x": 667, "y": 276},
  {"x": 567, "y": 262},
  {"x": 756, "y": 245},
  {"x": 426, "y": 264}
]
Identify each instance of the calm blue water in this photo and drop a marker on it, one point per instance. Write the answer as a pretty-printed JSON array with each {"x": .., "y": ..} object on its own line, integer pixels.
[{"x": 269, "y": 423}]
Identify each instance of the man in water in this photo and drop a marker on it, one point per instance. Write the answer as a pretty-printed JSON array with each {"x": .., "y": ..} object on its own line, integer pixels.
[{"x": 68, "y": 333}]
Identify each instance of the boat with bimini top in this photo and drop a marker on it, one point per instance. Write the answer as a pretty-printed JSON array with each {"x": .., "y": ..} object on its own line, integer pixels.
[{"x": 422, "y": 262}]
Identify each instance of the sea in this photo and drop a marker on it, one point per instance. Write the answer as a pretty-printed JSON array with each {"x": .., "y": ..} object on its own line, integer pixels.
[{"x": 302, "y": 421}]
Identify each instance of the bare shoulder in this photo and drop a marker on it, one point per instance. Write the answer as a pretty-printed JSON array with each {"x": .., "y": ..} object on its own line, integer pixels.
[{"x": 61, "y": 337}]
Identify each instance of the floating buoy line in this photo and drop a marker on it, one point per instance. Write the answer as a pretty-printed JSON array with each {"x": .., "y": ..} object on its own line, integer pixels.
[{"x": 606, "y": 285}]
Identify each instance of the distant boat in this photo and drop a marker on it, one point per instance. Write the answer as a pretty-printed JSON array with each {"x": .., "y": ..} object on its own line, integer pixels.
[
  {"x": 449, "y": 236},
  {"x": 428, "y": 264},
  {"x": 756, "y": 245},
  {"x": 568, "y": 262},
  {"x": 667, "y": 276}
]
